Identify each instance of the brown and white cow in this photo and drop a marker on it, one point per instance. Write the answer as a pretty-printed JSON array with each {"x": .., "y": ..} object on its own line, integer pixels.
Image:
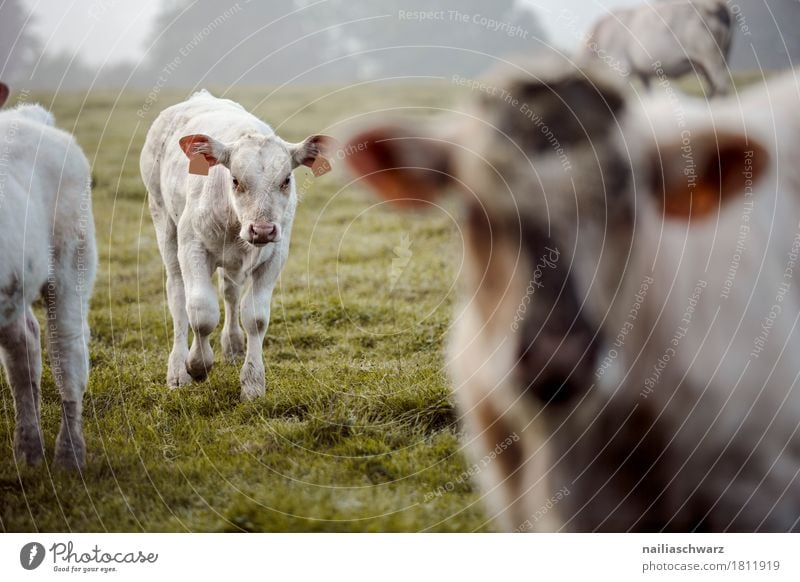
[{"x": 629, "y": 308}]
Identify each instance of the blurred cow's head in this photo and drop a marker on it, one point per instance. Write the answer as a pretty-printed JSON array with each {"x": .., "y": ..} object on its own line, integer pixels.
[{"x": 550, "y": 187}]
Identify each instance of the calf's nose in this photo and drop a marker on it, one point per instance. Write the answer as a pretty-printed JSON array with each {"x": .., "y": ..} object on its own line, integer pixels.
[
  {"x": 557, "y": 368},
  {"x": 263, "y": 232}
]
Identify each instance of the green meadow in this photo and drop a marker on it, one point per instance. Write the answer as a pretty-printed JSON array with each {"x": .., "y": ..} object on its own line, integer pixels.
[{"x": 357, "y": 429}]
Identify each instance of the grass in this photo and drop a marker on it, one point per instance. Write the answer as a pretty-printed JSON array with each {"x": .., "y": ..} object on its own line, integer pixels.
[
  {"x": 357, "y": 425},
  {"x": 357, "y": 428}
]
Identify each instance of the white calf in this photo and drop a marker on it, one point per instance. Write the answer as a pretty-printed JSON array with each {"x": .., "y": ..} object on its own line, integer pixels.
[
  {"x": 47, "y": 237},
  {"x": 237, "y": 218},
  {"x": 666, "y": 38}
]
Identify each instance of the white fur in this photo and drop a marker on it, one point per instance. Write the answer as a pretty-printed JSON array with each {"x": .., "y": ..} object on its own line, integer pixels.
[
  {"x": 750, "y": 403},
  {"x": 47, "y": 237},
  {"x": 682, "y": 36},
  {"x": 714, "y": 354},
  {"x": 200, "y": 222}
]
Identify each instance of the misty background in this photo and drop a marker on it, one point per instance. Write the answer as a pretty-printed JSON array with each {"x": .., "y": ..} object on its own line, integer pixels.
[{"x": 153, "y": 44}]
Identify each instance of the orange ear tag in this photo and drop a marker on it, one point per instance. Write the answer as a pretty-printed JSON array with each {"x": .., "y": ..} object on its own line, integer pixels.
[
  {"x": 198, "y": 165},
  {"x": 320, "y": 167}
]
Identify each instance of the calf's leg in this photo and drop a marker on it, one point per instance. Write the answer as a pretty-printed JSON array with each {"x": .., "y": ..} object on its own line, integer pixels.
[
  {"x": 233, "y": 346},
  {"x": 20, "y": 350},
  {"x": 68, "y": 351},
  {"x": 167, "y": 235},
  {"x": 715, "y": 75},
  {"x": 255, "y": 316},
  {"x": 201, "y": 307}
]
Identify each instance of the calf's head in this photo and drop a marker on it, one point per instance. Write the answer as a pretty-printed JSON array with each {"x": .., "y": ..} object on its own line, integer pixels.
[
  {"x": 550, "y": 189},
  {"x": 260, "y": 186}
]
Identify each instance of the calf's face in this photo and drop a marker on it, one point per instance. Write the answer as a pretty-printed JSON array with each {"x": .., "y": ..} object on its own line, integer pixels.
[
  {"x": 260, "y": 189},
  {"x": 550, "y": 190}
]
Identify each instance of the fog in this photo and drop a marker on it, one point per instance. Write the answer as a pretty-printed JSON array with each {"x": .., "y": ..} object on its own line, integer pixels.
[{"x": 70, "y": 44}]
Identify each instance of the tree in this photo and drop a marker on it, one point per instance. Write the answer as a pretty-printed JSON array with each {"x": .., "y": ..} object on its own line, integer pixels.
[
  {"x": 205, "y": 42},
  {"x": 18, "y": 45},
  {"x": 415, "y": 37}
]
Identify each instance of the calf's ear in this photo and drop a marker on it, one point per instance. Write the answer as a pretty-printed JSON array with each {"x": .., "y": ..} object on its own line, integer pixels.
[
  {"x": 204, "y": 149},
  {"x": 695, "y": 177},
  {"x": 4, "y": 92},
  {"x": 405, "y": 165},
  {"x": 316, "y": 152}
]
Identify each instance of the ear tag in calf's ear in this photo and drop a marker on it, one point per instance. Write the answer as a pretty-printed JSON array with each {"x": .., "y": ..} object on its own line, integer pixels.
[
  {"x": 198, "y": 165},
  {"x": 320, "y": 167}
]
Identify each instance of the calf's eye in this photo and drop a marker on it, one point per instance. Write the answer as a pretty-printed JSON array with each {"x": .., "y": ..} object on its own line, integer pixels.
[
  {"x": 286, "y": 182},
  {"x": 236, "y": 183}
]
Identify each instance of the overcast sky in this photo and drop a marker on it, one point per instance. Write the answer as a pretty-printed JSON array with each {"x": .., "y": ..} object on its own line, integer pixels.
[
  {"x": 99, "y": 29},
  {"x": 115, "y": 30},
  {"x": 557, "y": 16}
]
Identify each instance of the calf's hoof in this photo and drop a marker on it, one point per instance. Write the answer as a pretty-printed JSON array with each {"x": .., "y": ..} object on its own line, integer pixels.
[
  {"x": 197, "y": 370},
  {"x": 70, "y": 453},
  {"x": 178, "y": 378},
  {"x": 250, "y": 393},
  {"x": 253, "y": 382},
  {"x": 200, "y": 360},
  {"x": 28, "y": 446}
]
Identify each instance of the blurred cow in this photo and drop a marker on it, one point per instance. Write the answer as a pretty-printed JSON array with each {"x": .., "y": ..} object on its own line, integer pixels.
[
  {"x": 47, "y": 237},
  {"x": 666, "y": 39},
  {"x": 629, "y": 309}
]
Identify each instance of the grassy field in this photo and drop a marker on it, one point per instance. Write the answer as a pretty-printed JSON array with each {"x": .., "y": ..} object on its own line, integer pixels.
[
  {"x": 357, "y": 425},
  {"x": 357, "y": 430}
]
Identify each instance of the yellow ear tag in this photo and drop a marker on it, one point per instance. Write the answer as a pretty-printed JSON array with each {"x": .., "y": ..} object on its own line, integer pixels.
[
  {"x": 320, "y": 167},
  {"x": 198, "y": 165}
]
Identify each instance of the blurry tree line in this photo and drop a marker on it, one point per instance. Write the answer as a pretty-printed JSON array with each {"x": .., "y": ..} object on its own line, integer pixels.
[
  {"x": 313, "y": 41},
  {"x": 222, "y": 42}
]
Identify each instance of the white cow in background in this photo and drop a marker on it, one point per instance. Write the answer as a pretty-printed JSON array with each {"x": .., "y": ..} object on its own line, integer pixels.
[
  {"x": 666, "y": 39},
  {"x": 237, "y": 218},
  {"x": 47, "y": 237}
]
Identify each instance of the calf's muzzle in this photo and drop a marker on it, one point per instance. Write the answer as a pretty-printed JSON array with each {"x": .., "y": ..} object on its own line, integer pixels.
[{"x": 261, "y": 233}]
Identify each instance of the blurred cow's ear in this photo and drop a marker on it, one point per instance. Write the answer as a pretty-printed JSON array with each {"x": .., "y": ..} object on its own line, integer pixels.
[
  {"x": 203, "y": 147},
  {"x": 4, "y": 92},
  {"x": 316, "y": 152},
  {"x": 696, "y": 177},
  {"x": 403, "y": 164}
]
